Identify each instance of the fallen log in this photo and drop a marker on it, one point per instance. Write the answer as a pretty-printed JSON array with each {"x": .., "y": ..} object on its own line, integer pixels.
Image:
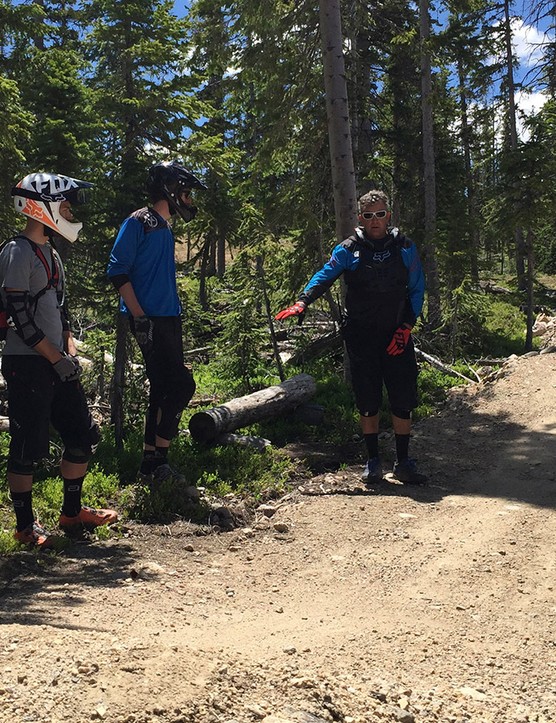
[
  {"x": 331, "y": 341},
  {"x": 433, "y": 361},
  {"x": 207, "y": 425}
]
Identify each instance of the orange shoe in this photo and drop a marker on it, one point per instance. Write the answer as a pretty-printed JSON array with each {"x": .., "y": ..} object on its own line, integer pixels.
[
  {"x": 88, "y": 518},
  {"x": 36, "y": 536}
]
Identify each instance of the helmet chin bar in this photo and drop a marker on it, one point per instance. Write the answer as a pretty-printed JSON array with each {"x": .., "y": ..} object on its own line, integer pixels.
[
  {"x": 50, "y": 233},
  {"x": 187, "y": 213}
]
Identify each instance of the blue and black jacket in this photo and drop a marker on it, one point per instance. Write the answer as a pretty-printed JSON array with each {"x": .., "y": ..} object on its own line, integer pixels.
[
  {"x": 143, "y": 254},
  {"x": 384, "y": 279}
]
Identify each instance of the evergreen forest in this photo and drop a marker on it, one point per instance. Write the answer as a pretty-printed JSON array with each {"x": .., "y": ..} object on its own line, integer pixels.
[{"x": 433, "y": 95}]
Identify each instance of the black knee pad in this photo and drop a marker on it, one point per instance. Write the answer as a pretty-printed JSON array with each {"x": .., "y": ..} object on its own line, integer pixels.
[
  {"x": 21, "y": 466},
  {"x": 185, "y": 390},
  {"x": 77, "y": 456},
  {"x": 401, "y": 413}
]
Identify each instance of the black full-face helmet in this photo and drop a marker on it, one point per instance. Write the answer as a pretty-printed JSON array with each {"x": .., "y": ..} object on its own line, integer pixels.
[{"x": 168, "y": 180}]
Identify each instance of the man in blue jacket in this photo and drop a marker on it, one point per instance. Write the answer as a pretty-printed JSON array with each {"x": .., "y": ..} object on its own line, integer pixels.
[
  {"x": 142, "y": 268},
  {"x": 385, "y": 291}
]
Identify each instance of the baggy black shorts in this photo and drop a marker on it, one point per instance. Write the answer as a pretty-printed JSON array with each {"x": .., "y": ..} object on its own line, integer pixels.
[
  {"x": 38, "y": 398},
  {"x": 371, "y": 367}
]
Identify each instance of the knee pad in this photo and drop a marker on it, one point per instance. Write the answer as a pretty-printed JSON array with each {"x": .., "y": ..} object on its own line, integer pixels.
[
  {"x": 76, "y": 455},
  {"x": 367, "y": 413},
  {"x": 21, "y": 466},
  {"x": 186, "y": 389},
  {"x": 401, "y": 413}
]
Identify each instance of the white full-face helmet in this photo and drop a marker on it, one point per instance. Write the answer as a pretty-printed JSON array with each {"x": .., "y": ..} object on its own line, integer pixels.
[{"x": 39, "y": 196}]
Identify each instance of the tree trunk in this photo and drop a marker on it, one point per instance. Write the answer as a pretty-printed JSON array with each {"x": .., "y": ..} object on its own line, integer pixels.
[
  {"x": 520, "y": 250},
  {"x": 337, "y": 111},
  {"x": 429, "y": 248},
  {"x": 270, "y": 318},
  {"x": 120, "y": 362},
  {"x": 339, "y": 130},
  {"x": 530, "y": 291},
  {"x": 208, "y": 425},
  {"x": 203, "y": 295},
  {"x": 220, "y": 253},
  {"x": 469, "y": 181}
]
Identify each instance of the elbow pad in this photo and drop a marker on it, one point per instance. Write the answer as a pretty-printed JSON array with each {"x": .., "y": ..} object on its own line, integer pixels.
[
  {"x": 119, "y": 280},
  {"x": 21, "y": 317}
]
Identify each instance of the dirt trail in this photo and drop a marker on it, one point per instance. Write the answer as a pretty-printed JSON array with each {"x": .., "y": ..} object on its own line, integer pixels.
[{"x": 400, "y": 604}]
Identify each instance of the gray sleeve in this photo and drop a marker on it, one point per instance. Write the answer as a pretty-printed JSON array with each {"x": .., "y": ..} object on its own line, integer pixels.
[{"x": 17, "y": 264}]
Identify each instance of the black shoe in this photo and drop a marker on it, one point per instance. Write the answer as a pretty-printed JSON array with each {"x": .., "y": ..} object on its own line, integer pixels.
[
  {"x": 406, "y": 472},
  {"x": 372, "y": 474}
]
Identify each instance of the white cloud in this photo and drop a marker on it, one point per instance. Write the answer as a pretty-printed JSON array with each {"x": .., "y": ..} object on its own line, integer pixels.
[
  {"x": 530, "y": 103},
  {"x": 528, "y": 42},
  {"x": 527, "y": 104}
]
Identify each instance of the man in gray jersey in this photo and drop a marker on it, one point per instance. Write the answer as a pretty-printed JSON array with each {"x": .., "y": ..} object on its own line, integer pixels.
[{"x": 38, "y": 360}]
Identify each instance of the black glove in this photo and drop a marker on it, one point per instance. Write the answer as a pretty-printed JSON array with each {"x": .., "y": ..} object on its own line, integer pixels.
[
  {"x": 67, "y": 368},
  {"x": 143, "y": 331}
]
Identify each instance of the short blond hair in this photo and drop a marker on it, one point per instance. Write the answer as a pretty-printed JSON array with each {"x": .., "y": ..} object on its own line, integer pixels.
[{"x": 371, "y": 197}]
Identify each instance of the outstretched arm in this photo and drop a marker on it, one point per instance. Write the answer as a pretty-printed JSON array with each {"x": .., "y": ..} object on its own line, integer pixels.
[{"x": 340, "y": 260}]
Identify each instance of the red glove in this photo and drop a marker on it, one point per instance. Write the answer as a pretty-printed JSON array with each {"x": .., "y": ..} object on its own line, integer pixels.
[
  {"x": 298, "y": 309},
  {"x": 399, "y": 341}
]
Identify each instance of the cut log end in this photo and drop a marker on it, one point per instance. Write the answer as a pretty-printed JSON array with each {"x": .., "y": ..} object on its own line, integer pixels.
[{"x": 203, "y": 427}]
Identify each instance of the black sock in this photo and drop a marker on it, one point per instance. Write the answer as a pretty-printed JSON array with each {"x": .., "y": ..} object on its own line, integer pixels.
[
  {"x": 161, "y": 456},
  {"x": 371, "y": 440},
  {"x": 402, "y": 447},
  {"x": 72, "y": 496},
  {"x": 23, "y": 508},
  {"x": 153, "y": 458},
  {"x": 147, "y": 463}
]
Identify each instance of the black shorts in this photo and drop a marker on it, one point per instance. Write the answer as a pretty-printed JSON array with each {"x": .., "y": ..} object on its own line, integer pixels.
[
  {"x": 37, "y": 398},
  {"x": 371, "y": 367}
]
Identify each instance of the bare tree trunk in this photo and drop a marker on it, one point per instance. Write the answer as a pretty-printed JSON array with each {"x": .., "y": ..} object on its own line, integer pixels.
[
  {"x": 520, "y": 250},
  {"x": 220, "y": 253},
  {"x": 339, "y": 130},
  {"x": 128, "y": 166},
  {"x": 270, "y": 318},
  {"x": 530, "y": 291},
  {"x": 203, "y": 298},
  {"x": 429, "y": 248},
  {"x": 337, "y": 111},
  {"x": 469, "y": 181},
  {"x": 120, "y": 362}
]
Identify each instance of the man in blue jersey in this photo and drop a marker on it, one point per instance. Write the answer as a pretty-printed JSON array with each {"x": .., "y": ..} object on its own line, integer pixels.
[
  {"x": 142, "y": 268},
  {"x": 385, "y": 291}
]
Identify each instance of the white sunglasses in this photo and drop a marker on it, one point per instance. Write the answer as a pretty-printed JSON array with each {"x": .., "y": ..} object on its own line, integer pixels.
[{"x": 374, "y": 214}]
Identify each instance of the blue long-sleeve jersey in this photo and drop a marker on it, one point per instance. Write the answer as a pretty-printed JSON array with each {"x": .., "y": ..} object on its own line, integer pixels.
[
  {"x": 144, "y": 251},
  {"x": 384, "y": 279}
]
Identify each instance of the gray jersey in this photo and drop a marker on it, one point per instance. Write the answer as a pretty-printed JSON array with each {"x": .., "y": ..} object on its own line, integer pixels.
[{"x": 21, "y": 269}]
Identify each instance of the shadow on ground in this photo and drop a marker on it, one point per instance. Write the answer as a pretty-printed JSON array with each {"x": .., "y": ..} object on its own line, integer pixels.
[{"x": 26, "y": 578}]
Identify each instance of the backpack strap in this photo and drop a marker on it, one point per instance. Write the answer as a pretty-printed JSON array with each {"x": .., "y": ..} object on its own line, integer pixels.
[{"x": 52, "y": 271}]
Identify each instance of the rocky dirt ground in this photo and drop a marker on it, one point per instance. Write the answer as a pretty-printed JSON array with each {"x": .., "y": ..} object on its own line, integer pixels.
[{"x": 423, "y": 605}]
